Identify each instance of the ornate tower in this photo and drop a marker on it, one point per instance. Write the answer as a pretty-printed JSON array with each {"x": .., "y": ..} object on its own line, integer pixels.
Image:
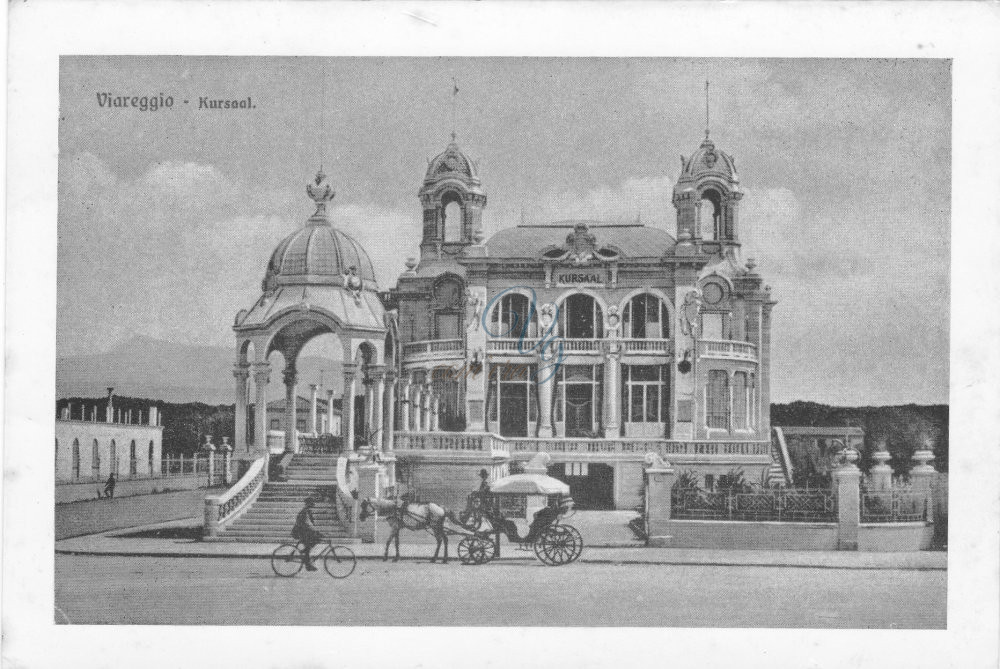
[
  {"x": 453, "y": 201},
  {"x": 707, "y": 197}
]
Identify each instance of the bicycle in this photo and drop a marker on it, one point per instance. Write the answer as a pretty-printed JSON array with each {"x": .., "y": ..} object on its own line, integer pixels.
[{"x": 288, "y": 559}]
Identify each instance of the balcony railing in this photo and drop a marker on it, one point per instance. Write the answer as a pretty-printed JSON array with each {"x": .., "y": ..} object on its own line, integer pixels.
[
  {"x": 648, "y": 346},
  {"x": 511, "y": 345},
  {"x": 481, "y": 441},
  {"x": 432, "y": 347},
  {"x": 582, "y": 345},
  {"x": 735, "y": 350}
]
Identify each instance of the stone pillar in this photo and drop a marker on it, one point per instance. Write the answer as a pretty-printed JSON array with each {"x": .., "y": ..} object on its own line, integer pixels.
[
  {"x": 404, "y": 403},
  {"x": 378, "y": 403},
  {"x": 425, "y": 408},
  {"x": 435, "y": 413},
  {"x": 210, "y": 449},
  {"x": 313, "y": 390},
  {"x": 347, "y": 407},
  {"x": 546, "y": 382},
  {"x": 261, "y": 377},
  {"x": 846, "y": 483},
  {"x": 291, "y": 378},
  {"x": 227, "y": 461},
  {"x": 241, "y": 372},
  {"x": 109, "y": 409},
  {"x": 212, "y": 515},
  {"x": 881, "y": 472},
  {"x": 329, "y": 411},
  {"x": 368, "y": 488},
  {"x": 389, "y": 419},
  {"x": 660, "y": 477},
  {"x": 369, "y": 383},
  {"x": 418, "y": 409},
  {"x": 612, "y": 395},
  {"x": 922, "y": 477}
]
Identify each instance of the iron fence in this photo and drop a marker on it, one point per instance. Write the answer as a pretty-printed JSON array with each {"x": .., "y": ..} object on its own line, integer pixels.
[
  {"x": 781, "y": 504},
  {"x": 895, "y": 506}
]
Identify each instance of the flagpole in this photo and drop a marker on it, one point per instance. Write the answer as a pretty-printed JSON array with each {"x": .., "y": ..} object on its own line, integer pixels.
[{"x": 454, "y": 102}]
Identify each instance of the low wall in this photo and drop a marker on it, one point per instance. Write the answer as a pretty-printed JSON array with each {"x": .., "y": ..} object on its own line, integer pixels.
[
  {"x": 895, "y": 537},
  {"x": 733, "y": 534},
  {"x": 75, "y": 492}
]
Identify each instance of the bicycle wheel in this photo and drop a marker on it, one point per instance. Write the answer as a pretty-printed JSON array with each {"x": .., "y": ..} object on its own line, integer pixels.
[
  {"x": 286, "y": 560},
  {"x": 339, "y": 561}
]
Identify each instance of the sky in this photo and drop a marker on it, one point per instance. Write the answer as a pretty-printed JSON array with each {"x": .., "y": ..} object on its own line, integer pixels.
[{"x": 167, "y": 218}]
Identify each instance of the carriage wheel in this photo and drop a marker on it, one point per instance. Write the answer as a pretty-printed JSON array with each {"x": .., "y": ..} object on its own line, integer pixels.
[
  {"x": 558, "y": 545},
  {"x": 476, "y": 550}
]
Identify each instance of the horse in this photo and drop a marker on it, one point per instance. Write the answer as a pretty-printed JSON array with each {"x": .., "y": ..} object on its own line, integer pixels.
[{"x": 411, "y": 516}]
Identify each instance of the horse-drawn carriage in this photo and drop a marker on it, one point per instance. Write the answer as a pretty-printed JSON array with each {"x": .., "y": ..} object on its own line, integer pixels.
[{"x": 488, "y": 515}]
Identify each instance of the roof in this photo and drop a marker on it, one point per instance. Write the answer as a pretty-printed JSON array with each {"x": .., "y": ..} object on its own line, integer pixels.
[
  {"x": 631, "y": 240},
  {"x": 709, "y": 161},
  {"x": 529, "y": 484},
  {"x": 364, "y": 312},
  {"x": 320, "y": 250}
]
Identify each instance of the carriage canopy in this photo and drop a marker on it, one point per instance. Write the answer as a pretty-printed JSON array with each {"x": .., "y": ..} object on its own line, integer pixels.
[{"x": 529, "y": 484}]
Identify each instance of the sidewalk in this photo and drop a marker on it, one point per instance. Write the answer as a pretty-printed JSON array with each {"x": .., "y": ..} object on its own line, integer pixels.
[{"x": 108, "y": 543}]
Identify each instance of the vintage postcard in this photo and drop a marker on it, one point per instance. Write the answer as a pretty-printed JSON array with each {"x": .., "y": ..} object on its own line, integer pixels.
[{"x": 376, "y": 344}]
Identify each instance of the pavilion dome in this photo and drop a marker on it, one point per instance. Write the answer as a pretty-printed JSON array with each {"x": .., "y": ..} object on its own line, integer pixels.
[
  {"x": 319, "y": 252},
  {"x": 451, "y": 163}
]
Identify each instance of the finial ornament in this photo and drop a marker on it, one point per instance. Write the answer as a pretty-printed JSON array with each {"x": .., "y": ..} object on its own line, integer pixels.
[
  {"x": 706, "y": 110},
  {"x": 320, "y": 191}
]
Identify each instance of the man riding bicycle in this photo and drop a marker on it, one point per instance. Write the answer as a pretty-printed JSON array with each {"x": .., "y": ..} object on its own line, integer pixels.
[{"x": 305, "y": 532}]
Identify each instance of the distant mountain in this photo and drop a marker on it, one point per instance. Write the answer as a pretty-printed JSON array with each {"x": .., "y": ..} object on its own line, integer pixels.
[{"x": 155, "y": 369}]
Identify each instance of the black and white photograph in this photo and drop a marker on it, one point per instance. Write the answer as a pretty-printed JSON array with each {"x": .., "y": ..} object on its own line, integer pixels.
[{"x": 529, "y": 344}]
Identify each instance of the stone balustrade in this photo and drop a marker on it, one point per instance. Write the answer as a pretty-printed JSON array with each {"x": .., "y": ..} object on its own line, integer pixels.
[
  {"x": 220, "y": 510},
  {"x": 432, "y": 348},
  {"x": 733, "y": 350},
  {"x": 483, "y": 441}
]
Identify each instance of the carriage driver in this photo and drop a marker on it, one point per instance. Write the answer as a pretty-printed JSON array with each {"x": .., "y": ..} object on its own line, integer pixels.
[{"x": 306, "y": 533}]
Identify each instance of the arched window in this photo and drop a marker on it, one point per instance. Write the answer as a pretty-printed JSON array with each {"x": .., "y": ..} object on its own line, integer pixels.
[
  {"x": 646, "y": 317},
  {"x": 133, "y": 465},
  {"x": 113, "y": 457},
  {"x": 76, "y": 458},
  {"x": 95, "y": 460},
  {"x": 452, "y": 217},
  {"x": 581, "y": 318},
  {"x": 710, "y": 215},
  {"x": 151, "y": 470},
  {"x": 511, "y": 315},
  {"x": 717, "y": 400}
]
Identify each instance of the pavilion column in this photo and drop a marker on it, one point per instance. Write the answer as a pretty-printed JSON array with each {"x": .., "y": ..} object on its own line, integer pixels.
[
  {"x": 291, "y": 378},
  {"x": 369, "y": 384},
  {"x": 241, "y": 372},
  {"x": 435, "y": 413},
  {"x": 389, "y": 418},
  {"x": 329, "y": 411},
  {"x": 313, "y": 394},
  {"x": 418, "y": 409},
  {"x": 404, "y": 403},
  {"x": 378, "y": 398},
  {"x": 612, "y": 395},
  {"x": 347, "y": 407},
  {"x": 261, "y": 377}
]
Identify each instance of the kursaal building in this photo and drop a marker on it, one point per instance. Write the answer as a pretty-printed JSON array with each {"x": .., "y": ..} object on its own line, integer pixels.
[{"x": 594, "y": 343}]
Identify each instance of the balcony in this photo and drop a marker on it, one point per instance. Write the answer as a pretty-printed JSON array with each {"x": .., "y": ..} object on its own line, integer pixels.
[
  {"x": 637, "y": 448},
  {"x": 727, "y": 350},
  {"x": 433, "y": 349},
  {"x": 648, "y": 346}
]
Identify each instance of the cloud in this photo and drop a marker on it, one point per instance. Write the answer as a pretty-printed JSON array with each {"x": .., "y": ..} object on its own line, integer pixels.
[{"x": 175, "y": 252}]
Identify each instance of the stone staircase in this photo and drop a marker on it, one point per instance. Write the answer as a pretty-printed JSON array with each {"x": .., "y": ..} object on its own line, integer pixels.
[
  {"x": 272, "y": 515},
  {"x": 776, "y": 475}
]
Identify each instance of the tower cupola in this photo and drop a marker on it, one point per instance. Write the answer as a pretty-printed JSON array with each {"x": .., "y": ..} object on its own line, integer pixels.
[
  {"x": 453, "y": 200},
  {"x": 707, "y": 196}
]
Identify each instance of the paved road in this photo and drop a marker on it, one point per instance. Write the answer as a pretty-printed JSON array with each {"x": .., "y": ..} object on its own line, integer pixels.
[
  {"x": 98, "y": 515},
  {"x": 203, "y": 591}
]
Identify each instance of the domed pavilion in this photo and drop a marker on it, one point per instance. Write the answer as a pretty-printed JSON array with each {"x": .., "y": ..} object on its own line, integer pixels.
[{"x": 318, "y": 281}]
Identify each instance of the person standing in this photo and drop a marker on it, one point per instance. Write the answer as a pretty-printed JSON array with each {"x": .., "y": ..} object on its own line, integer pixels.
[{"x": 109, "y": 487}]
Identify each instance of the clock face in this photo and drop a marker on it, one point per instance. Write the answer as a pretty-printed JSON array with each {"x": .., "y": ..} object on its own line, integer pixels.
[{"x": 712, "y": 292}]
